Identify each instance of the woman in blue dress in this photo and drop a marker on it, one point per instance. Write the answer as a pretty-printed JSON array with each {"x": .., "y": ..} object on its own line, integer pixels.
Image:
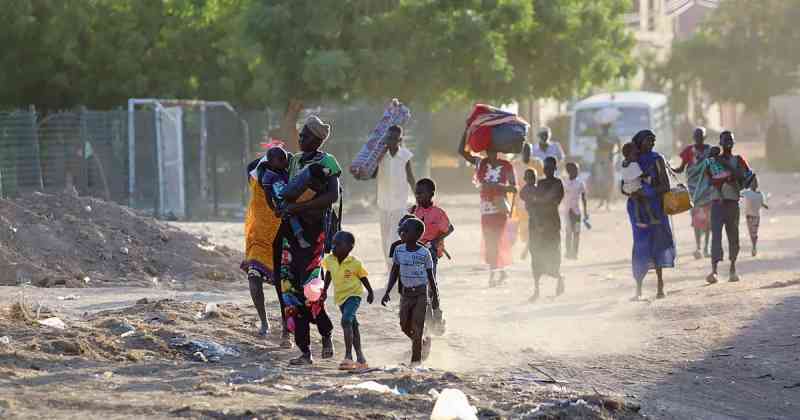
[{"x": 653, "y": 245}]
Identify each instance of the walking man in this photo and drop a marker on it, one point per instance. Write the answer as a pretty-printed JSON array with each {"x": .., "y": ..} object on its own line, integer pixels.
[
  {"x": 725, "y": 206},
  {"x": 699, "y": 187},
  {"x": 395, "y": 180}
]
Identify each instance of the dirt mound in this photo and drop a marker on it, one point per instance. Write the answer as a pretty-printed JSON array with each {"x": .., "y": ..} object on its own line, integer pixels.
[{"x": 61, "y": 240}]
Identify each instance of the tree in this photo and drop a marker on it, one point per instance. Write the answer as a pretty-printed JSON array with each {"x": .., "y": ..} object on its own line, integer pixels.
[
  {"x": 436, "y": 51},
  {"x": 745, "y": 53},
  {"x": 99, "y": 53}
]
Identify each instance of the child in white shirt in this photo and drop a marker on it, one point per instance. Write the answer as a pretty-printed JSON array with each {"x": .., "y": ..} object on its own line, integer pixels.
[{"x": 633, "y": 179}]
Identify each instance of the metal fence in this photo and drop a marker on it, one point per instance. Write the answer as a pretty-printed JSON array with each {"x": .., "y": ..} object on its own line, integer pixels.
[
  {"x": 20, "y": 168},
  {"x": 94, "y": 153}
]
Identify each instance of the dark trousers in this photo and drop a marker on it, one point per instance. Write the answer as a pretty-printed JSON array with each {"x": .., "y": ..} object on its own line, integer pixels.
[
  {"x": 724, "y": 214},
  {"x": 302, "y": 328},
  {"x": 413, "y": 308}
]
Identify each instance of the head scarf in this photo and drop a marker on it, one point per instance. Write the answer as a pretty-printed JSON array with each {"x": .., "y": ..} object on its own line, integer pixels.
[
  {"x": 640, "y": 137},
  {"x": 318, "y": 128}
]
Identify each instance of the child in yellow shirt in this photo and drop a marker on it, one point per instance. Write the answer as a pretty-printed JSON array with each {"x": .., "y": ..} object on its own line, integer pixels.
[{"x": 349, "y": 278}]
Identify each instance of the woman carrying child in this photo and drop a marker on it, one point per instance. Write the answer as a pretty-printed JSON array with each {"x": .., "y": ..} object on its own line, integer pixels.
[
  {"x": 653, "y": 245},
  {"x": 300, "y": 266}
]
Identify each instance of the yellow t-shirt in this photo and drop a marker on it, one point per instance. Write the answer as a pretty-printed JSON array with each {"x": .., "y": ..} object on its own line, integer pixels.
[{"x": 346, "y": 276}]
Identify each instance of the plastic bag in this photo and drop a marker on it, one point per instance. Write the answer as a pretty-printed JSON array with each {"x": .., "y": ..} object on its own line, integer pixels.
[{"x": 452, "y": 404}]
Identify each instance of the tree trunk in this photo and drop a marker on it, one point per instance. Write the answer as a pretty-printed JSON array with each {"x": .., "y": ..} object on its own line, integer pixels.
[{"x": 288, "y": 130}]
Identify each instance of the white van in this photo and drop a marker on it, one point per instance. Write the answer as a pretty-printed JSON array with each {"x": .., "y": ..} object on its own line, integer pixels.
[{"x": 635, "y": 111}]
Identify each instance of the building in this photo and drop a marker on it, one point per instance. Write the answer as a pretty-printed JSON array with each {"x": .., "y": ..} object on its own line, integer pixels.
[{"x": 655, "y": 24}]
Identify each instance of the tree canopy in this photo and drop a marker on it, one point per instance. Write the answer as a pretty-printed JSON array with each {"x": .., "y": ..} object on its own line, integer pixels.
[
  {"x": 434, "y": 51},
  {"x": 98, "y": 53},
  {"x": 59, "y": 54},
  {"x": 745, "y": 53}
]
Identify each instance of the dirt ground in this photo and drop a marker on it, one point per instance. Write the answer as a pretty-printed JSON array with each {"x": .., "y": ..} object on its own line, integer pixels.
[
  {"x": 728, "y": 351},
  {"x": 62, "y": 240}
]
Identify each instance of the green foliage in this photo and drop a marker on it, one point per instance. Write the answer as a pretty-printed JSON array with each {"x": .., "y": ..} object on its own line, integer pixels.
[
  {"x": 63, "y": 53},
  {"x": 746, "y": 53},
  {"x": 435, "y": 51}
]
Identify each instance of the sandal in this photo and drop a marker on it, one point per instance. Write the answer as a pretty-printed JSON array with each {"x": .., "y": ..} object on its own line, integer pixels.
[{"x": 347, "y": 364}]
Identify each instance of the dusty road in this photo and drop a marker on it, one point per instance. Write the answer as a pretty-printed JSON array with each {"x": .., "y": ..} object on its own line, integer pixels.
[{"x": 705, "y": 352}]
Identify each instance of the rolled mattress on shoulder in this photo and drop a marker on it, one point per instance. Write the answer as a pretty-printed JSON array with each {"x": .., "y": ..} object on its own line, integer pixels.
[{"x": 365, "y": 164}]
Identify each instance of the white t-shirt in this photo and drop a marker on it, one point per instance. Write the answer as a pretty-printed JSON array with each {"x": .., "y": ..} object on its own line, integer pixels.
[
  {"x": 573, "y": 188},
  {"x": 631, "y": 177},
  {"x": 753, "y": 201},
  {"x": 553, "y": 150},
  {"x": 392, "y": 183}
]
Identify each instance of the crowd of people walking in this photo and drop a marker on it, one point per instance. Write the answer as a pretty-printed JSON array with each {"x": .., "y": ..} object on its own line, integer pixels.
[{"x": 295, "y": 243}]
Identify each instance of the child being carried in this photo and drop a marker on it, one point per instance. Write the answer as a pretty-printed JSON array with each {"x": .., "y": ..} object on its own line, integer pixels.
[
  {"x": 276, "y": 184},
  {"x": 633, "y": 180}
]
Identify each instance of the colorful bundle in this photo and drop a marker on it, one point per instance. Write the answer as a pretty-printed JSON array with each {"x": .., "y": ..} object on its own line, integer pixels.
[
  {"x": 365, "y": 164},
  {"x": 492, "y": 128}
]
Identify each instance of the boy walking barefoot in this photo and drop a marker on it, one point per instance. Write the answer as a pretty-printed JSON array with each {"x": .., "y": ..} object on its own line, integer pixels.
[
  {"x": 413, "y": 265},
  {"x": 349, "y": 278}
]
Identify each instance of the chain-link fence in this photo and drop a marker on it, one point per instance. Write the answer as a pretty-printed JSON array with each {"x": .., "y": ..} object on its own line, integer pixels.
[
  {"x": 20, "y": 168},
  {"x": 174, "y": 159}
]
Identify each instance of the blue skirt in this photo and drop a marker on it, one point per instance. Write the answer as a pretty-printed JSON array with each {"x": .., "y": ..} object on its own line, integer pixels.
[{"x": 653, "y": 246}]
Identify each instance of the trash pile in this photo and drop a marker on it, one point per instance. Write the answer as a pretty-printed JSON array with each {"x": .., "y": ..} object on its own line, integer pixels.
[
  {"x": 60, "y": 240},
  {"x": 150, "y": 330}
]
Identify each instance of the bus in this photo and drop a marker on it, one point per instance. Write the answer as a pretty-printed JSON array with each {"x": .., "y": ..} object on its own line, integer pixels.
[{"x": 632, "y": 111}]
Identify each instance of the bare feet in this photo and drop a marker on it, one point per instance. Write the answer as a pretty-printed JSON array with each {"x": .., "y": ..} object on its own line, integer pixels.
[
  {"x": 286, "y": 340},
  {"x": 560, "y": 286},
  {"x": 503, "y": 277},
  {"x": 698, "y": 255},
  {"x": 426, "y": 347},
  {"x": 733, "y": 278},
  {"x": 712, "y": 278},
  {"x": 661, "y": 295},
  {"x": 534, "y": 298}
]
